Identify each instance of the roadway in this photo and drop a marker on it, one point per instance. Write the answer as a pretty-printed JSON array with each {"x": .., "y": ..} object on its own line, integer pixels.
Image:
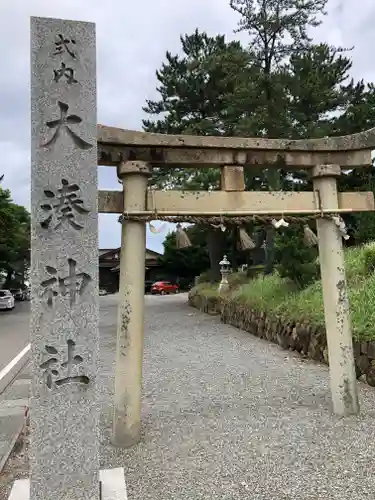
[
  {"x": 15, "y": 327},
  {"x": 14, "y": 332}
]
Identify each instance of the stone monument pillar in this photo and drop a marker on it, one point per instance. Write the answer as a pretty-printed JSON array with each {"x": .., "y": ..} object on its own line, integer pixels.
[{"x": 64, "y": 262}]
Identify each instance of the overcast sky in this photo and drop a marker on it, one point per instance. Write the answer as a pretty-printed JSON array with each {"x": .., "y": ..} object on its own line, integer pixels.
[{"x": 132, "y": 38}]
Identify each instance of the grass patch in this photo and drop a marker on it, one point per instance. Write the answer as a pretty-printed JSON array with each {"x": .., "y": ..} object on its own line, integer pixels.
[
  {"x": 276, "y": 295},
  {"x": 206, "y": 289}
]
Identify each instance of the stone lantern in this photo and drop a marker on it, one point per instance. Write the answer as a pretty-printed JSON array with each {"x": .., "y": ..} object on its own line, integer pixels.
[{"x": 225, "y": 271}]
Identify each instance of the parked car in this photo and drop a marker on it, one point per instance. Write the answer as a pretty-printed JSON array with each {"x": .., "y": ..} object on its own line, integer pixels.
[
  {"x": 102, "y": 291},
  {"x": 6, "y": 300},
  {"x": 17, "y": 293},
  {"x": 164, "y": 287}
]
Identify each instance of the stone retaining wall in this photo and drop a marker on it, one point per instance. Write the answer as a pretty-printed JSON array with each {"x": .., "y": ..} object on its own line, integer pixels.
[{"x": 302, "y": 337}]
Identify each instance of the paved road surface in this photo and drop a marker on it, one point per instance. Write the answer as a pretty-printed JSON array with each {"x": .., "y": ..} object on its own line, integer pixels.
[
  {"x": 14, "y": 332},
  {"x": 15, "y": 327}
]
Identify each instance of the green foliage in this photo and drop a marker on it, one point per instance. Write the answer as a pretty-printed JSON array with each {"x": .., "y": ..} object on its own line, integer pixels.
[
  {"x": 364, "y": 227},
  {"x": 194, "y": 87},
  {"x": 279, "y": 297},
  {"x": 296, "y": 261},
  {"x": 14, "y": 236},
  {"x": 278, "y": 28},
  {"x": 369, "y": 257},
  {"x": 187, "y": 262},
  {"x": 204, "y": 277},
  {"x": 195, "y": 90},
  {"x": 317, "y": 81},
  {"x": 360, "y": 110},
  {"x": 236, "y": 279},
  {"x": 361, "y": 225}
]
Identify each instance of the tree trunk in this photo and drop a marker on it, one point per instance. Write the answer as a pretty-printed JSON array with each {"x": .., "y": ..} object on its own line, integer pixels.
[
  {"x": 215, "y": 245},
  {"x": 258, "y": 252},
  {"x": 270, "y": 250},
  {"x": 234, "y": 238}
]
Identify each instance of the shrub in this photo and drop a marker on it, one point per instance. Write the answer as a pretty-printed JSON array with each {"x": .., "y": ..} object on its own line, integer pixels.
[
  {"x": 236, "y": 279},
  {"x": 204, "y": 277},
  {"x": 369, "y": 257},
  {"x": 264, "y": 292},
  {"x": 364, "y": 222},
  {"x": 296, "y": 261},
  {"x": 253, "y": 271}
]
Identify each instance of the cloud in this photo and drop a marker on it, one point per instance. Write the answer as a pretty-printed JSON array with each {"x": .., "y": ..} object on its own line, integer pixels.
[
  {"x": 350, "y": 24},
  {"x": 132, "y": 38}
]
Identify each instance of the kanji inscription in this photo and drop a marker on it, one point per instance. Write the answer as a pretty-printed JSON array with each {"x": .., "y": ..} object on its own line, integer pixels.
[
  {"x": 63, "y": 206},
  {"x": 74, "y": 284},
  {"x": 64, "y": 45},
  {"x": 64, "y": 72},
  {"x": 64, "y": 122},
  {"x": 52, "y": 367}
]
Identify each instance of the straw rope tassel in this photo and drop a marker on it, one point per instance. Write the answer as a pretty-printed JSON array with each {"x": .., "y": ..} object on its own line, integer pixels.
[
  {"x": 310, "y": 238},
  {"x": 245, "y": 242},
  {"x": 154, "y": 229},
  {"x": 182, "y": 239}
]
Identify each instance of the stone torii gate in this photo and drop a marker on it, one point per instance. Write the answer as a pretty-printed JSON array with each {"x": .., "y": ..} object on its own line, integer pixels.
[{"x": 135, "y": 153}]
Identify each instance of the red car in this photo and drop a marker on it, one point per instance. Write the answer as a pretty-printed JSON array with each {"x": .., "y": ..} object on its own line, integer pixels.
[{"x": 164, "y": 287}]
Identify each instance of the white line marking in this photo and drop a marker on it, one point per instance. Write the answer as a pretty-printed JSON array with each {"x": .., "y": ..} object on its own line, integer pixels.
[
  {"x": 20, "y": 490},
  {"x": 5, "y": 371},
  {"x": 113, "y": 486}
]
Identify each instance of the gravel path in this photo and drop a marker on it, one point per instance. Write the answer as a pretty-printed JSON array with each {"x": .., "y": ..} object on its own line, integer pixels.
[{"x": 229, "y": 416}]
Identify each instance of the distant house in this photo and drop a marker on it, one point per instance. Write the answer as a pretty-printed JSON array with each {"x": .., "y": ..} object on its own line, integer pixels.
[{"x": 109, "y": 267}]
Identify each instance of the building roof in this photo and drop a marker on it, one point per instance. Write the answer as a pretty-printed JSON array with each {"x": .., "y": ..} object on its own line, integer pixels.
[
  {"x": 109, "y": 257},
  {"x": 105, "y": 251},
  {"x": 117, "y": 268}
]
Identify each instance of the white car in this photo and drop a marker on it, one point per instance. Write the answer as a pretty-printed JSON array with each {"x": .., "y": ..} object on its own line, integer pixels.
[{"x": 6, "y": 300}]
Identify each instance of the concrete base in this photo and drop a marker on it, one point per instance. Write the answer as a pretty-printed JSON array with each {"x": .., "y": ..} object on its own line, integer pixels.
[{"x": 113, "y": 486}]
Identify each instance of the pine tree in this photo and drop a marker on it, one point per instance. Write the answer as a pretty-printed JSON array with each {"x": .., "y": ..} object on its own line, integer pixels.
[{"x": 196, "y": 90}]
